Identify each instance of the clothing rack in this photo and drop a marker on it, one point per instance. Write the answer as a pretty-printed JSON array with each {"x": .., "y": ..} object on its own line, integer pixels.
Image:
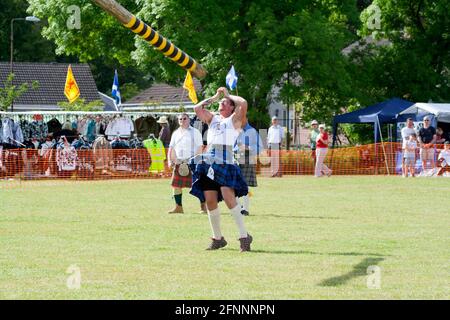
[{"x": 63, "y": 116}]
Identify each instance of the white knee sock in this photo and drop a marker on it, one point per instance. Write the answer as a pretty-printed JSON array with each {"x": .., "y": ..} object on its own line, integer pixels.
[
  {"x": 214, "y": 221},
  {"x": 239, "y": 219},
  {"x": 246, "y": 203}
]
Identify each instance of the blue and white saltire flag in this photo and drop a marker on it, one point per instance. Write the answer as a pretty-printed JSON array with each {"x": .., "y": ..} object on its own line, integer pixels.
[
  {"x": 115, "y": 90},
  {"x": 231, "y": 79}
]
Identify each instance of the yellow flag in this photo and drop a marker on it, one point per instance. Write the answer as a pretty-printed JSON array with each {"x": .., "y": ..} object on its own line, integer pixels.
[
  {"x": 189, "y": 86},
  {"x": 71, "y": 89}
]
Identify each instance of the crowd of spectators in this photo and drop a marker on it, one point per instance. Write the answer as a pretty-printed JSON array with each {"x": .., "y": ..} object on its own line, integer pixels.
[{"x": 425, "y": 141}]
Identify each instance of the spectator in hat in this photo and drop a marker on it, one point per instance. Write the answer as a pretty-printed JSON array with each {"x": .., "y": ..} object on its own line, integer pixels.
[
  {"x": 312, "y": 138},
  {"x": 164, "y": 134},
  {"x": 427, "y": 139},
  {"x": 274, "y": 140}
]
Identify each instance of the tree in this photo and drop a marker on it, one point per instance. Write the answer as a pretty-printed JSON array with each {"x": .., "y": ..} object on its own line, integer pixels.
[
  {"x": 266, "y": 41},
  {"x": 29, "y": 45},
  {"x": 414, "y": 66},
  {"x": 81, "y": 105},
  {"x": 128, "y": 91},
  {"x": 263, "y": 39},
  {"x": 10, "y": 92}
]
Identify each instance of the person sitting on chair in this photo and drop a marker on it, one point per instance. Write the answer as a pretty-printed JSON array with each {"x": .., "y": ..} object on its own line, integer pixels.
[{"x": 444, "y": 159}]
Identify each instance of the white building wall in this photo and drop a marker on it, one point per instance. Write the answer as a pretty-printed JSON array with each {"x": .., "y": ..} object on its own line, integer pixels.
[{"x": 279, "y": 110}]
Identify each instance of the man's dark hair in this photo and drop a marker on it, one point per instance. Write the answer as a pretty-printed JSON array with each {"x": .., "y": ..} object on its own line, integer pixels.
[{"x": 232, "y": 103}]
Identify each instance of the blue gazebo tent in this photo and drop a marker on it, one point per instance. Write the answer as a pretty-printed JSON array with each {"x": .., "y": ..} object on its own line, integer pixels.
[{"x": 378, "y": 114}]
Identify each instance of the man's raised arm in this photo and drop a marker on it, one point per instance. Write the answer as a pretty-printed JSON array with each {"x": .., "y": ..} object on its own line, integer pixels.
[{"x": 202, "y": 113}]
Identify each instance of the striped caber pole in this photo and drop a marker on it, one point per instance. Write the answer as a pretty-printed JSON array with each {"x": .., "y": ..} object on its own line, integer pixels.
[{"x": 146, "y": 32}]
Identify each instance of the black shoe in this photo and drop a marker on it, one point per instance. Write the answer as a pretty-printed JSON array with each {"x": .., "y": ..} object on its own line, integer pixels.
[
  {"x": 245, "y": 243},
  {"x": 217, "y": 244},
  {"x": 244, "y": 212}
]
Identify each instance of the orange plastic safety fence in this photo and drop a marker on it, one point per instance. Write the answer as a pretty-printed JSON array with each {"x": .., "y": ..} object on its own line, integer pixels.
[
  {"x": 372, "y": 159},
  {"x": 30, "y": 164}
]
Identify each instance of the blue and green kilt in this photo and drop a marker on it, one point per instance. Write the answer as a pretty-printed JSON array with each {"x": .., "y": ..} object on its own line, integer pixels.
[{"x": 226, "y": 175}]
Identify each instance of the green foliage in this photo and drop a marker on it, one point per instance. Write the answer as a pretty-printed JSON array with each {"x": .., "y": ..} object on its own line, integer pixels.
[
  {"x": 81, "y": 105},
  {"x": 415, "y": 65},
  {"x": 267, "y": 41},
  {"x": 263, "y": 39},
  {"x": 98, "y": 37},
  {"x": 128, "y": 90},
  {"x": 29, "y": 45},
  {"x": 10, "y": 92}
]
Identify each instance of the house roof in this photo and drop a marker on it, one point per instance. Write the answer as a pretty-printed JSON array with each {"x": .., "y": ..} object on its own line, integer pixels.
[
  {"x": 52, "y": 79},
  {"x": 164, "y": 93}
]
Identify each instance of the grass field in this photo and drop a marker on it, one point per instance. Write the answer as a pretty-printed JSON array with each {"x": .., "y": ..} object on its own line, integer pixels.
[{"x": 313, "y": 239}]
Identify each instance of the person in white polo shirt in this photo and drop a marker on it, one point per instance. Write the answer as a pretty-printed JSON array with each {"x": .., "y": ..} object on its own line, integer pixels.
[
  {"x": 186, "y": 142},
  {"x": 274, "y": 139}
]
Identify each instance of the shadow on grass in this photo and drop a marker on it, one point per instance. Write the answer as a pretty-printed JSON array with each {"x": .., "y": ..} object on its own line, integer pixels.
[
  {"x": 296, "y": 217},
  {"x": 304, "y": 252},
  {"x": 359, "y": 270}
]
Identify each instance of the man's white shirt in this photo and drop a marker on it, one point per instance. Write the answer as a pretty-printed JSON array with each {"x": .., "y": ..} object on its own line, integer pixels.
[
  {"x": 406, "y": 132},
  {"x": 275, "y": 134},
  {"x": 185, "y": 142}
]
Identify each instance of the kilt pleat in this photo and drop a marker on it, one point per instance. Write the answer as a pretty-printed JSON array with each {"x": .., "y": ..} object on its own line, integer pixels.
[
  {"x": 249, "y": 174},
  {"x": 179, "y": 181},
  {"x": 227, "y": 175}
]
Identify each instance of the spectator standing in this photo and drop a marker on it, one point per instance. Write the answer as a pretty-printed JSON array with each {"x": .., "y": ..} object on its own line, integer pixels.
[
  {"x": 427, "y": 139},
  {"x": 321, "y": 152},
  {"x": 274, "y": 140},
  {"x": 164, "y": 134},
  {"x": 410, "y": 155},
  {"x": 186, "y": 142},
  {"x": 248, "y": 146},
  {"x": 406, "y": 132},
  {"x": 313, "y": 137}
]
